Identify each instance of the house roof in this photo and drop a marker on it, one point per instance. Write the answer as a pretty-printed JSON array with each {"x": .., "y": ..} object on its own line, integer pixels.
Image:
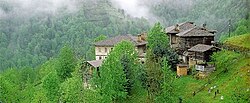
[
  {"x": 201, "y": 48},
  {"x": 182, "y": 27},
  {"x": 95, "y": 63},
  {"x": 114, "y": 40},
  {"x": 195, "y": 32}
]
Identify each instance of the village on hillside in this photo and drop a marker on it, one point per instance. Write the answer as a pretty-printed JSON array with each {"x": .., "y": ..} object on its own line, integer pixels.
[{"x": 193, "y": 44}]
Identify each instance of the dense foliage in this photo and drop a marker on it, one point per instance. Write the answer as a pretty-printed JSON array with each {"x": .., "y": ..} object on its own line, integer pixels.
[
  {"x": 29, "y": 40},
  {"x": 215, "y": 13},
  {"x": 33, "y": 40},
  {"x": 159, "y": 76},
  {"x": 117, "y": 75},
  {"x": 37, "y": 67}
]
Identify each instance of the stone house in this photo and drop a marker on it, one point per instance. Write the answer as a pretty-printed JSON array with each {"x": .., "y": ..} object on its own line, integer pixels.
[{"x": 172, "y": 31}]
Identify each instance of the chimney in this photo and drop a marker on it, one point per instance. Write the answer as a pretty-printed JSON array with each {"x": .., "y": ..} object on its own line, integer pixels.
[
  {"x": 204, "y": 26},
  {"x": 139, "y": 38},
  {"x": 177, "y": 27},
  {"x": 143, "y": 36},
  {"x": 212, "y": 31}
]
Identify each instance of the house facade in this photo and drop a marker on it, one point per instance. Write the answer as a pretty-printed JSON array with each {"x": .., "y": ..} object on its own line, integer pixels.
[{"x": 104, "y": 47}]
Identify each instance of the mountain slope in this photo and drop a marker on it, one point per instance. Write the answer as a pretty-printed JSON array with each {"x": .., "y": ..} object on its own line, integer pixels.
[
  {"x": 33, "y": 40},
  {"x": 231, "y": 78}
]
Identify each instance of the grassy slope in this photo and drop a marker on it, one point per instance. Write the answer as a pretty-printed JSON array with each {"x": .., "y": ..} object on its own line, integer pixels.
[
  {"x": 235, "y": 81},
  {"x": 242, "y": 41}
]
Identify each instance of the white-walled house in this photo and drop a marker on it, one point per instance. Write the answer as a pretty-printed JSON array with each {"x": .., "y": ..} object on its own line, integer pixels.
[{"x": 104, "y": 47}]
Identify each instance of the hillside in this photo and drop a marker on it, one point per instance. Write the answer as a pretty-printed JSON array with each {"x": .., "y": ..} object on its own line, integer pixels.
[
  {"x": 48, "y": 51},
  {"x": 231, "y": 78},
  {"x": 30, "y": 40},
  {"x": 239, "y": 42}
]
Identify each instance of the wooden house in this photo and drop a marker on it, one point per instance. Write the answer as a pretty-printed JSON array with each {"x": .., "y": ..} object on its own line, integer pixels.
[
  {"x": 94, "y": 64},
  {"x": 90, "y": 66},
  {"x": 194, "y": 36},
  {"x": 175, "y": 29},
  {"x": 199, "y": 55}
]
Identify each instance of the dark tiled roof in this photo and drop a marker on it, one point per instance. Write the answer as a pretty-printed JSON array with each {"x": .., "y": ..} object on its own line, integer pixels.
[
  {"x": 182, "y": 27},
  {"x": 95, "y": 63},
  {"x": 201, "y": 48},
  {"x": 114, "y": 40},
  {"x": 195, "y": 32}
]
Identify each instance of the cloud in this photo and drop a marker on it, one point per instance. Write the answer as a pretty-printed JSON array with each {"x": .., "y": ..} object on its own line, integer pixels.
[
  {"x": 134, "y": 8},
  {"x": 33, "y": 7},
  {"x": 2, "y": 14},
  {"x": 143, "y": 8}
]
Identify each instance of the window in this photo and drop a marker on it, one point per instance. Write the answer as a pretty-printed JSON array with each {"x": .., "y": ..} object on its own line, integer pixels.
[
  {"x": 99, "y": 49},
  {"x": 106, "y": 50},
  {"x": 100, "y": 57}
]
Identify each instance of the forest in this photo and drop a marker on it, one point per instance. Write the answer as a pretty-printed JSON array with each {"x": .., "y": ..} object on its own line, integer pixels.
[{"x": 44, "y": 45}]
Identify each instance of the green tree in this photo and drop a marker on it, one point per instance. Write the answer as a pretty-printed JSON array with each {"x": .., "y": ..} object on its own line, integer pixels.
[
  {"x": 72, "y": 89},
  {"x": 100, "y": 37},
  {"x": 51, "y": 85},
  {"x": 130, "y": 65},
  {"x": 154, "y": 75},
  {"x": 116, "y": 73},
  {"x": 39, "y": 95},
  {"x": 10, "y": 86},
  {"x": 9, "y": 92},
  {"x": 66, "y": 63},
  {"x": 167, "y": 91},
  {"x": 158, "y": 48},
  {"x": 158, "y": 41}
]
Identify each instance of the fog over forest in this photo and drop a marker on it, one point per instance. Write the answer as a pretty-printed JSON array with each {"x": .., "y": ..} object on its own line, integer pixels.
[
  {"x": 124, "y": 51},
  {"x": 134, "y": 8},
  {"x": 49, "y": 20}
]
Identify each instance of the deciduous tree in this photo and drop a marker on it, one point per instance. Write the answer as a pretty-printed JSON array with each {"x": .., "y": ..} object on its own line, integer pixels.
[
  {"x": 66, "y": 63},
  {"x": 117, "y": 73}
]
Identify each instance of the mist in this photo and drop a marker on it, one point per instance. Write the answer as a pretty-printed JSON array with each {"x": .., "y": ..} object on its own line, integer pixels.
[
  {"x": 143, "y": 8},
  {"x": 135, "y": 8},
  {"x": 29, "y": 8},
  {"x": 132, "y": 7}
]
